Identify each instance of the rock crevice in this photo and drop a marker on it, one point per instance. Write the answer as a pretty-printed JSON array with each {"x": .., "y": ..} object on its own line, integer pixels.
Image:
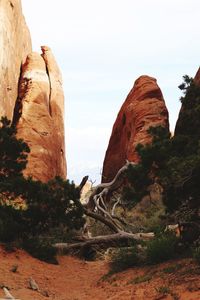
[
  {"x": 31, "y": 95},
  {"x": 42, "y": 130}
]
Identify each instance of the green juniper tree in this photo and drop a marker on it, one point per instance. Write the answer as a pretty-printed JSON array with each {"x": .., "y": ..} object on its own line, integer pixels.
[
  {"x": 47, "y": 206},
  {"x": 13, "y": 151},
  {"x": 173, "y": 161}
]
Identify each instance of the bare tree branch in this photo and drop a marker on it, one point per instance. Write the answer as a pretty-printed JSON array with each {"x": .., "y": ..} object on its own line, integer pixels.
[
  {"x": 98, "y": 209},
  {"x": 104, "y": 189},
  {"x": 102, "y": 219},
  {"x": 114, "y": 207}
]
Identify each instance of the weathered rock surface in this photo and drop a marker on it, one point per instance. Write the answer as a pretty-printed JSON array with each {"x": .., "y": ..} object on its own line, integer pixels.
[
  {"x": 39, "y": 116},
  {"x": 144, "y": 107},
  {"x": 197, "y": 77},
  {"x": 15, "y": 45},
  {"x": 31, "y": 94}
]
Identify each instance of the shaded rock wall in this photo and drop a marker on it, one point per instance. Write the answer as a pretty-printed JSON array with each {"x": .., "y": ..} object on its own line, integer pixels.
[
  {"x": 144, "y": 107},
  {"x": 197, "y": 77},
  {"x": 180, "y": 127}
]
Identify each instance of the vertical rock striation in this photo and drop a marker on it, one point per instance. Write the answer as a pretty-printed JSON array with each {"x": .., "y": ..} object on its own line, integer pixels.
[
  {"x": 31, "y": 94},
  {"x": 15, "y": 45},
  {"x": 144, "y": 107},
  {"x": 39, "y": 116},
  {"x": 56, "y": 104}
]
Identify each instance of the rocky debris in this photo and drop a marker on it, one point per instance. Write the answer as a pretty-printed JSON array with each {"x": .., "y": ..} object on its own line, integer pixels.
[
  {"x": 15, "y": 44},
  {"x": 33, "y": 285},
  {"x": 39, "y": 114},
  {"x": 144, "y": 107}
]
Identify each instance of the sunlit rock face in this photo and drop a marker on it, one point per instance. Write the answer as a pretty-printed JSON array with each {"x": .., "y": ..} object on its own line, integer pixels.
[
  {"x": 144, "y": 107},
  {"x": 15, "y": 44},
  {"x": 31, "y": 94},
  {"x": 39, "y": 116}
]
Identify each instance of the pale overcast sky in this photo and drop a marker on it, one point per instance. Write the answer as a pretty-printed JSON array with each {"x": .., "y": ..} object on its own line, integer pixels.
[{"x": 102, "y": 47}]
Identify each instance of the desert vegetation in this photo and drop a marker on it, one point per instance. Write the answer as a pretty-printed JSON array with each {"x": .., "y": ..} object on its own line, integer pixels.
[
  {"x": 133, "y": 209},
  {"x": 33, "y": 214}
]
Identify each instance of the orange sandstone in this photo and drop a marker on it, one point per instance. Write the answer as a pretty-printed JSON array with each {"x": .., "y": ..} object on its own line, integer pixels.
[
  {"x": 39, "y": 118},
  {"x": 144, "y": 107}
]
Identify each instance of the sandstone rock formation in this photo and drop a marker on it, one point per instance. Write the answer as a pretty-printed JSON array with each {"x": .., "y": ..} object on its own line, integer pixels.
[
  {"x": 31, "y": 94},
  {"x": 144, "y": 107},
  {"x": 39, "y": 116},
  {"x": 15, "y": 45},
  {"x": 197, "y": 77},
  {"x": 180, "y": 124}
]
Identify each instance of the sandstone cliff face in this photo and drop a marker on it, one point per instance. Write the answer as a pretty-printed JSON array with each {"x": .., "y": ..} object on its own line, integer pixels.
[
  {"x": 39, "y": 116},
  {"x": 180, "y": 124},
  {"x": 15, "y": 45},
  {"x": 197, "y": 77},
  {"x": 31, "y": 94},
  {"x": 144, "y": 107}
]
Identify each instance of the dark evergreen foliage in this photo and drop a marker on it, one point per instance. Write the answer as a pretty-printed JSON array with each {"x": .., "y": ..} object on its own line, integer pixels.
[
  {"x": 162, "y": 248},
  {"x": 46, "y": 206},
  {"x": 174, "y": 162},
  {"x": 52, "y": 204},
  {"x": 153, "y": 158},
  {"x": 13, "y": 151}
]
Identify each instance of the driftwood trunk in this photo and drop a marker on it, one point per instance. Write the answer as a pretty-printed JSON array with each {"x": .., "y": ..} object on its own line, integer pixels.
[
  {"x": 112, "y": 240},
  {"x": 97, "y": 208}
]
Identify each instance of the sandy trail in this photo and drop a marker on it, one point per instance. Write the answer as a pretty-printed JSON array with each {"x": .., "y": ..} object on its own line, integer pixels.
[{"x": 74, "y": 279}]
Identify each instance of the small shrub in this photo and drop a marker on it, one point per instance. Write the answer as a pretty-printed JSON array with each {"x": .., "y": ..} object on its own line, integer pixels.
[
  {"x": 163, "y": 290},
  {"x": 172, "y": 268},
  {"x": 9, "y": 225},
  {"x": 175, "y": 296},
  {"x": 196, "y": 254},
  {"x": 123, "y": 259},
  {"x": 108, "y": 277},
  {"x": 160, "y": 249},
  {"x": 40, "y": 248},
  {"x": 141, "y": 279}
]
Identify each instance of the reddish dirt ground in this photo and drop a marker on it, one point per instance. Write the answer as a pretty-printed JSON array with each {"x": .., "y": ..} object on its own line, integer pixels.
[{"x": 74, "y": 279}]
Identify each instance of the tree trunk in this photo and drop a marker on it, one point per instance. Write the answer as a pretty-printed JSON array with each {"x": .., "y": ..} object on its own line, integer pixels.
[{"x": 112, "y": 240}]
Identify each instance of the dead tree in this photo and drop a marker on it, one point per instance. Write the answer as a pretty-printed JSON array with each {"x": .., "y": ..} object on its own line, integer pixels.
[{"x": 99, "y": 208}]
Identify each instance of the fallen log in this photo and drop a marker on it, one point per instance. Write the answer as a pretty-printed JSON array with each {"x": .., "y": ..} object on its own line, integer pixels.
[
  {"x": 97, "y": 208},
  {"x": 112, "y": 240}
]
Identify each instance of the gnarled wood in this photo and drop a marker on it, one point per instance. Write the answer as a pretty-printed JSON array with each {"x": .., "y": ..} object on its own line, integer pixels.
[
  {"x": 104, "y": 189},
  {"x": 97, "y": 209},
  {"x": 114, "y": 240}
]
